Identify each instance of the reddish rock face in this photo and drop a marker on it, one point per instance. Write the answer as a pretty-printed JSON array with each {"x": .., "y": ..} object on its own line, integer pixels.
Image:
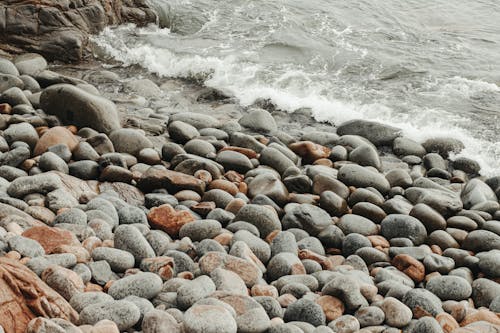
[
  {"x": 310, "y": 151},
  {"x": 332, "y": 307},
  {"x": 50, "y": 238},
  {"x": 166, "y": 218},
  {"x": 54, "y": 136},
  {"x": 245, "y": 151},
  {"x": 23, "y": 296}
]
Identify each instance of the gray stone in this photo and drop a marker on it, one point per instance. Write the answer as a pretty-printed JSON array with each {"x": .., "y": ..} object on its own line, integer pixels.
[
  {"x": 130, "y": 239},
  {"x": 25, "y": 246},
  {"x": 158, "y": 321},
  {"x": 50, "y": 161},
  {"x": 195, "y": 290},
  {"x": 7, "y": 67},
  {"x": 130, "y": 141},
  {"x": 484, "y": 291},
  {"x": 351, "y": 223},
  {"x": 305, "y": 310},
  {"x": 358, "y": 176},
  {"x": 209, "y": 319},
  {"x": 82, "y": 300},
  {"x": 118, "y": 260},
  {"x": 423, "y": 299},
  {"x": 146, "y": 285},
  {"x": 449, "y": 288},
  {"x": 93, "y": 111},
  {"x": 30, "y": 63},
  {"x": 125, "y": 314},
  {"x": 265, "y": 219},
  {"x": 398, "y": 225},
  {"x": 308, "y": 217},
  {"x": 379, "y": 134},
  {"x": 200, "y": 229},
  {"x": 21, "y": 132},
  {"x": 259, "y": 120}
]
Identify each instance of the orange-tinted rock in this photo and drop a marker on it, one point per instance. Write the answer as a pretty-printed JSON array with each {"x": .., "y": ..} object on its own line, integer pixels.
[
  {"x": 23, "y": 296},
  {"x": 50, "y": 238},
  {"x": 310, "y": 151},
  {"x": 173, "y": 181},
  {"x": 163, "y": 266},
  {"x": 234, "y": 176},
  {"x": 224, "y": 185},
  {"x": 264, "y": 290},
  {"x": 91, "y": 243},
  {"x": 447, "y": 322},
  {"x": 479, "y": 327},
  {"x": 377, "y": 240},
  {"x": 235, "y": 205},
  {"x": 224, "y": 238},
  {"x": 324, "y": 161},
  {"x": 286, "y": 299},
  {"x": 322, "y": 260},
  {"x": 54, "y": 136},
  {"x": 332, "y": 307},
  {"x": 187, "y": 195},
  {"x": 410, "y": 266},
  {"x": 81, "y": 254},
  {"x": 245, "y": 151},
  {"x": 482, "y": 314},
  {"x": 93, "y": 287},
  {"x": 5, "y": 108},
  {"x": 41, "y": 213},
  {"x": 166, "y": 218},
  {"x": 203, "y": 175},
  {"x": 246, "y": 270}
]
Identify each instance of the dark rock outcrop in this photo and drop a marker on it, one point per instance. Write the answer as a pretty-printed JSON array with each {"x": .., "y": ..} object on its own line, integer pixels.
[{"x": 60, "y": 29}]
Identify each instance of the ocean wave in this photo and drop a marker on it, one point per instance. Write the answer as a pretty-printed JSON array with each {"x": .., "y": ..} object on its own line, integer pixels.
[{"x": 291, "y": 88}]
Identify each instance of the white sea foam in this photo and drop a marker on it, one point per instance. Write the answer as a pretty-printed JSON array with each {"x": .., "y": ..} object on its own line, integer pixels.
[{"x": 294, "y": 89}]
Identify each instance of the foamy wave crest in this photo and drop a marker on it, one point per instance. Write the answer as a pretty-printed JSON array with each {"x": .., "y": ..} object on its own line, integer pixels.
[{"x": 291, "y": 89}]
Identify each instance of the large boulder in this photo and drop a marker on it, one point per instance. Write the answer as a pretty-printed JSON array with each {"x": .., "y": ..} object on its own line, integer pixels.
[
  {"x": 75, "y": 106},
  {"x": 61, "y": 29},
  {"x": 378, "y": 134}
]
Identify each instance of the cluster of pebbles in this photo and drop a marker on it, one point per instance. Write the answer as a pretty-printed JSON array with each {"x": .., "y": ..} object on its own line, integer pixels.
[{"x": 224, "y": 226}]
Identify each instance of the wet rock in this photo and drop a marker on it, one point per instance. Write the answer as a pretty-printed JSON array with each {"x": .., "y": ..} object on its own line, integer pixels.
[
  {"x": 443, "y": 146},
  {"x": 259, "y": 120},
  {"x": 379, "y": 134},
  {"x": 93, "y": 111},
  {"x": 358, "y": 176}
]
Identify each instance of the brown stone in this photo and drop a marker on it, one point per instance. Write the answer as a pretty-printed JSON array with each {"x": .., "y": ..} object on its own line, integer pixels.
[
  {"x": 482, "y": 314},
  {"x": 50, "y": 238},
  {"x": 166, "y": 218},
  {"x": 264, "y": 290},
  {"x": 246, "y": 270},
  {"x": 245, "y": 151},
  {"x": 286, "y": 299},
  {"x": 23, "y": 296},
  {"x": 309, "y": 151},
  {"x": 41, "y": 213},
  {"x": 378, "y": 240},
  {"x": 322, "y": 260},
  {"x": 234, "y": 176},
  {"x": 478, "y": 327},
  {"x": 224, "y": 185},
  {"x": 5, "y": 108},
  {"x": 81, "y": 254},
  {"x": 187, "y": 195},
  {"x": 91, "y": 243},
  {"x": 105, "y": 326},
  {"x": 163, "y": 266},
  {"x": 55, "y": 135},
  {"x": 173, "y": 181},
  {"x": 447, "y": 322},
  {"x": 224, "y": 238},
  {"x": 203, "y": 175},
  {"x": 332, "y": 307},
  {"x": 93, "y": 287},
  {"x": 410, "y": 266},
  {"x": 324, "y": 161},
  {"x": 235, "y": 205},
  {"x": 203, "y": 208}
]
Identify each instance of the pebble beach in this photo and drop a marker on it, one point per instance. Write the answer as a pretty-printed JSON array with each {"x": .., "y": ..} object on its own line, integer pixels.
[{"x": 133, "y": 203}]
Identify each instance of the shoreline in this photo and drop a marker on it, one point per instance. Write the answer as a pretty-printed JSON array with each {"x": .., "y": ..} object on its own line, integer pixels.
[{"x": 128, "y": 200}]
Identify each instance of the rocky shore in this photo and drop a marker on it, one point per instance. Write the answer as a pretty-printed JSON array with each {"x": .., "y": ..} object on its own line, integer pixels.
[{"x": 132, "y": 203}]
